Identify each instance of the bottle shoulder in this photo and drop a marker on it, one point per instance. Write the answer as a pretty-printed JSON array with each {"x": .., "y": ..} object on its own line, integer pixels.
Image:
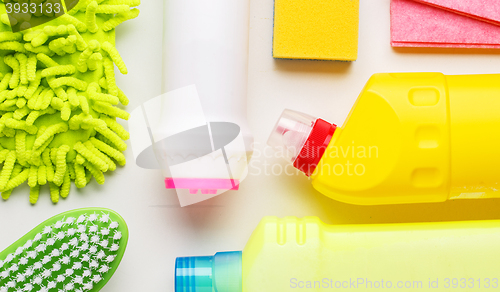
[{"x": 397, "y": 137}]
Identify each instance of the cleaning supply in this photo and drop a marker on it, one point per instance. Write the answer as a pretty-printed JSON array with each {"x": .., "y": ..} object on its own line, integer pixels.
[
  {"x": 410, "y": 138},
  {"x": 470, "y": 8},
  {"x": 200, "y": 133},
  {"x": 293, "y": 254},
  {"x": 316, "y": 30},
  {"x": 77, "y": 250},
  {"x": 445, "y": 23},
  {"x": 58, "y": 98}
]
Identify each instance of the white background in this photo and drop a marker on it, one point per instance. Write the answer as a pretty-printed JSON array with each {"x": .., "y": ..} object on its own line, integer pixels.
[{"x": 160, "y": 230}]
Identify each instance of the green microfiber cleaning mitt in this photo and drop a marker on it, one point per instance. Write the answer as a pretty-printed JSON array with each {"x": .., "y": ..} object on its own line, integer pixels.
[{"x": 58, "y": 98}]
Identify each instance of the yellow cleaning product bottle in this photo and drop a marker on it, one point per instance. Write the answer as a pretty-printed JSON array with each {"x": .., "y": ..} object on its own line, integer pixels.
[
  {"x": 410, "y": 138},
  {"x": 293, "y": 254}
]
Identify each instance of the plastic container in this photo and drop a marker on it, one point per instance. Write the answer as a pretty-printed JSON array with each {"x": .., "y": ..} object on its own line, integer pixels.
[
  {"x": 293, "y": 254},
  {"x": 410, "y": 138},
  {"x": 202, "y": 140}
]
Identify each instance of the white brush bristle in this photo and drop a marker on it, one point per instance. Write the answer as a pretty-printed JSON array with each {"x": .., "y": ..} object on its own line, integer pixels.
[{"x": 73, "y": 254}]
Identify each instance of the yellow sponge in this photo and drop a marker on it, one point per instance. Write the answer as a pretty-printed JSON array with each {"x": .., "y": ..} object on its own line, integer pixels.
[{"x": 316, "y": 29}]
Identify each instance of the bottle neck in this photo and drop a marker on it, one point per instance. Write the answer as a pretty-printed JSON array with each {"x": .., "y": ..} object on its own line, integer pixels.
[
  {"x": 315, "y": 146},
  {"x": 219, "y": 273}
]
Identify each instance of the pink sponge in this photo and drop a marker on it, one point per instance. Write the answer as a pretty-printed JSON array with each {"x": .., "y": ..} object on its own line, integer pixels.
[
  {"x": 485, "y": 10},
  {"x": 415, "y": 24}
]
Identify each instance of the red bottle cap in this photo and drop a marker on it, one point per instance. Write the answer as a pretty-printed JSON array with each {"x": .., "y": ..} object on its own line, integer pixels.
[
  {"x": 302, "y": 139},
  {"x": 315, "y": 146}
]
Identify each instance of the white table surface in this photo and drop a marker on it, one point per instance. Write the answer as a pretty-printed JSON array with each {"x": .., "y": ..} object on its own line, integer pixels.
[{"x": 160, "y": 230}]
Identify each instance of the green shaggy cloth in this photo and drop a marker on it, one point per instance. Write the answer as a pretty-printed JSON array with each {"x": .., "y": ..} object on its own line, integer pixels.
[{"x": 58, "y": 97}]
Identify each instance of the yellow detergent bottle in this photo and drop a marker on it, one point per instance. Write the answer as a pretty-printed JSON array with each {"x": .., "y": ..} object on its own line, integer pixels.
[
  {"x": 293, "y": 254},
  {"x": 410, "y": 138}
]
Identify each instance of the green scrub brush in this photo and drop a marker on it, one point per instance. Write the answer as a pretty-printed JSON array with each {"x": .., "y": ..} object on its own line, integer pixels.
[
  {"x": 58, "y": 99},
  {"x": 75, "y": 251}
]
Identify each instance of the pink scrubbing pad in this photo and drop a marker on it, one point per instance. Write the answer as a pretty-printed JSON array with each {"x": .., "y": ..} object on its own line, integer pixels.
[
  {"x": 414, "y": 24},
  {"x": 485, "y": 10}
]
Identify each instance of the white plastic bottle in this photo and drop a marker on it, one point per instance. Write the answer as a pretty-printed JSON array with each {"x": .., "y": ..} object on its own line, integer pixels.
[{"x": 203, "y": 135}]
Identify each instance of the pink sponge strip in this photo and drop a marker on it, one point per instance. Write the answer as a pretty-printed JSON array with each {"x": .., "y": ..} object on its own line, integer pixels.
[
  {"x": 414, "y": 24},
  {"x": 485, "y": 10}
]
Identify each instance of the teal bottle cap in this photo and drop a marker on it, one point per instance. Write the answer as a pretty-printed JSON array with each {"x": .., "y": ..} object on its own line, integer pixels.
[{"x": 219, "y": 273}]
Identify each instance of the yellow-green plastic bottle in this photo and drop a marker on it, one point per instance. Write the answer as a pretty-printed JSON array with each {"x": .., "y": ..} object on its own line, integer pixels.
[
  {"x": 294, "y": 254},
  {"x": 410, "y": 138}
]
